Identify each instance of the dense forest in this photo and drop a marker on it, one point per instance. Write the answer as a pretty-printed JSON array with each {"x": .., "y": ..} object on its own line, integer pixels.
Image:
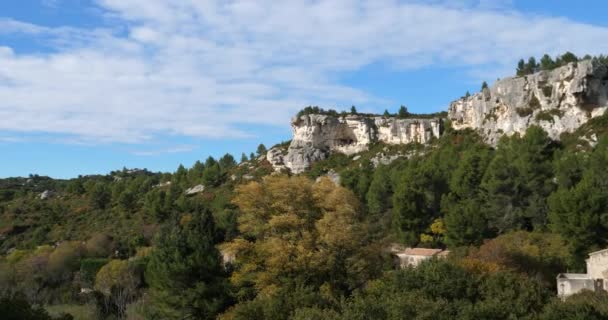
[
  {"x": 138, "y": 245},
  {"x": 235, "y": 240}
]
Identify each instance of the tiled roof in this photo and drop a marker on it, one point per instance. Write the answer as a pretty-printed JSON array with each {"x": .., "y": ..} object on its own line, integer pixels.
[{"x": 421, "y": 251}]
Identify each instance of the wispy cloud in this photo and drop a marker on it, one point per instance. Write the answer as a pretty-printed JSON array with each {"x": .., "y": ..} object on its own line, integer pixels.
[
  {"x": 156, "y": 152},
  {"x": 205, "y": 68}
]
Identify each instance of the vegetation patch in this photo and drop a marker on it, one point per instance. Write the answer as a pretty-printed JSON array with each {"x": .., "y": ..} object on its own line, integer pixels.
[
  {"x": 548, "y": 115},
  {"x": 534, "y": 102},
  {"x": 524, "y": 112},
  {"x": 547, "y": 90}
]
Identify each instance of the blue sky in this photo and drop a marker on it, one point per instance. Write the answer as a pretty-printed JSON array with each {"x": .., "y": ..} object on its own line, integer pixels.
[{"x": 90, "y": 86}]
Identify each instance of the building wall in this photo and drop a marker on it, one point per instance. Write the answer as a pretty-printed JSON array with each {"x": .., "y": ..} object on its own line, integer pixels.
[
  {"x": 406, "y": 260},
  {"x": 567, "y": 287},
  {"x": 597, "y": 264}
]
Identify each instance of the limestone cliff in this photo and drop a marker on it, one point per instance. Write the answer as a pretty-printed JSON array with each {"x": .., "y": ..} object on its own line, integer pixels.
[
  {"x": 315, "y": 136},
  {"x": 559, "y": 101}
]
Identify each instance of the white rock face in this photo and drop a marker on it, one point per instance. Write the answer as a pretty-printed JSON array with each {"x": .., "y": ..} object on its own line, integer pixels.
[
  {"x": 194, "y": 190},
  {"x": 559, "y": 101},
  {"x": 315, "y": 136},
  {"x": 45, "y": 195}
]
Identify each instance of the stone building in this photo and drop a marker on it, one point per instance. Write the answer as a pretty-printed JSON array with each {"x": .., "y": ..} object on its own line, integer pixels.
[
  {"x": 412, "y": 257},
  {"x": 594, "y": 280}
]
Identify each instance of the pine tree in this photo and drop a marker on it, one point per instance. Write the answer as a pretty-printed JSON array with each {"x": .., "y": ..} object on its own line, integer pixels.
[
  {"x": 568, "y": 57},
  {"x": 244, "y": 157},
  {"x": 484, "y": 85},
  {"x": 521, "y": 67},
  {"x": 547, "y": 63},
  {"x": 227, "y": 162},
  {"x": 531, "y": 66},
  {"x": 185, "y": 272},
  {"x": 353, "y": 110},
  {"x": 403, "y": 113},
  {"x": 386, "y": 114},
  {"x": 261, "y": 150}
]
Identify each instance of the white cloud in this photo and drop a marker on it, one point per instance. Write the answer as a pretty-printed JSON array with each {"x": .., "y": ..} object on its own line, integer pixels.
[
  {"x": 212, "y": 68},
  {"x": 156, "y": 152}
]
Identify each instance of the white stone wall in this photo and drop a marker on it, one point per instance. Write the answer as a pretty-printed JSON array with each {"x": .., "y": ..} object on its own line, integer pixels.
[
  {"x": 597, "y": 265},
  {"x": 406, "y": 260},
  {"x": 567, "y": 287}
]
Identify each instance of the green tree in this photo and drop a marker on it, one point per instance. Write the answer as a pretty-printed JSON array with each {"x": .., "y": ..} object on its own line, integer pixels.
[
  {"x": 568, "y": 57},
  {"x": 185, "y": 272},
  {"x": 100, "y": 196},
  {"x": 118, "y": 281},
  {"x": 18, "y": 308},
  {"x": 547, "y": 63},
  {"x": 521, "y": 67},
  {"x": 227, "y": 161},
  {"x": 386, "y": 114},
  {"x": 244, "y": 157},
  {"x": 403, "y": 113},
  {"x": 518, "y": 181},
  {"x": 586, "y": 305},
  {"x": 261, "y": 150},
  {"x": 464, "y": 217},
  {"x": 531, "y": 66},
  {"x": 484, "y": 85},
  {"x": 353, "y": 110},
  {"x": 212, "y": 176}
]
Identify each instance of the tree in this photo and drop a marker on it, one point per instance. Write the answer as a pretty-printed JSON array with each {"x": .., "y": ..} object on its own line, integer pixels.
[
  {"x": 226, "y": 162},
  {"x": 212, "y": 176},
  {"x": 521, "y": 67},
  {"x": 547, "y": 63},
  {"x": 353, "y": 110},
  {"x": 403, "y": 113},
  {"x": 118, "y": 281},
  {"x": 295, "y": 234},
  {"x": 586, "y": 305},
  {"x": 99, "y": 245},
  {"x": 484, "y": 85},
  {"x": 580, "y": 213},
  {"x": 185, "y": 272},
  {"x": 518, "y": 181},
  {"x": 568, "y": 57},
  {"x": 386, "y": 114},
  {"x": 531, "y": 66},
  {"x": 18, "y": 308},
  {"x": 261, "y": 150},
  {"x": 100, "y": 196},
  {"x": 244, "y": 157},
  {"x": 465, "y": 220},
  {"x": 378, "y": 194},
  {"x": 64, "y": 260}
]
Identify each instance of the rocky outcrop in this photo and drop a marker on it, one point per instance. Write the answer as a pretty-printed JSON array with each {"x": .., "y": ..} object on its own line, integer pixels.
[
  {"x": 194, "y": 190},
  {"x": 315, "y": 136},
  {"x": 45, "y": 195},
  {"x": 559, "y": 101}
]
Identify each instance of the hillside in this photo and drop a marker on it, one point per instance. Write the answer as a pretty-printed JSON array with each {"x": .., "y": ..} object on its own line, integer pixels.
[{"x": 303, "y": 230}]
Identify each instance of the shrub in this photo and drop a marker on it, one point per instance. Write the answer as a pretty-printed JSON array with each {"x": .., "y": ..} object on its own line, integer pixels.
[
  {"x": 547, "y": 91},
  {"x": 524, "y": 112},
  {"x": 534, "y": 102}
]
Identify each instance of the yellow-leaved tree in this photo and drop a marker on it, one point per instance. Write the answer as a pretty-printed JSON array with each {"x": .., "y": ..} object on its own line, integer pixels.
[{"x": 294, "y": 233}]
